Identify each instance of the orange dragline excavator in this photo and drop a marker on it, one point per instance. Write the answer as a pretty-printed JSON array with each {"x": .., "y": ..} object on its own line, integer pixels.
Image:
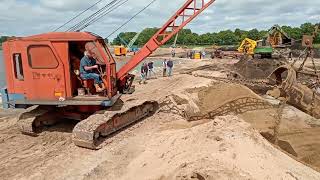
[{"x": 42, "y": 75}]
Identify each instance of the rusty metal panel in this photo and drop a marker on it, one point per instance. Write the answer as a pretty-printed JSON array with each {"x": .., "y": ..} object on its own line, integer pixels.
[{"x": 307, "y": 41}]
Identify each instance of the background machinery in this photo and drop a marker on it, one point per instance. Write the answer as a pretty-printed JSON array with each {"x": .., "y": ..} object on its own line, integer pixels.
[
  {"x": 131, "y": 47},
  {"x": 126, "y": 47},
  {"x": 122, "y": 49},
  {"x": 274, "y": 42},
  {"x": 41, "y": 75},
  {"x": 247, "y": 46},
  {"x": 278, "y": 38},
  {"x": 252, "y": 48}
]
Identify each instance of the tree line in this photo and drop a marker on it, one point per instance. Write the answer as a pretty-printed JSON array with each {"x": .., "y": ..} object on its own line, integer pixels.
[
  {"x": 3, "y": 39},
  {"x": 225, "y": 37}
]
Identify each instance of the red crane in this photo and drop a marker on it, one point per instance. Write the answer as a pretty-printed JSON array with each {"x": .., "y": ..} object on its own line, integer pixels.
[
  {"x": 42, "y": 70},
  {"x": 180, "y": 19}
]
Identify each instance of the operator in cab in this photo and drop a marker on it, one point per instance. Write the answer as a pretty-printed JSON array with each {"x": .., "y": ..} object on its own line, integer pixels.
[{"x": 87, "y": 66}]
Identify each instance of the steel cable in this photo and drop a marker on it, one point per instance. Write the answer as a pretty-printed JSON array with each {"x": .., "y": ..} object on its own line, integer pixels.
[
  {"x": 77, "y": 16},
  {"x": 131, "y": 18},
  {"x": 92, "y": 16},
  {"x": 108, "y": 11}
]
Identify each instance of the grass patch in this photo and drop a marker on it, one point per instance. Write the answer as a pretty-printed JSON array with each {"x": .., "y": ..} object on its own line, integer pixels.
[{"x": 317, "y": 46}]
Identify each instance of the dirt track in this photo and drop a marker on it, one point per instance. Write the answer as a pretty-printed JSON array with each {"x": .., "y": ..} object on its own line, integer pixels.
[{"x": 166, "y": 146}]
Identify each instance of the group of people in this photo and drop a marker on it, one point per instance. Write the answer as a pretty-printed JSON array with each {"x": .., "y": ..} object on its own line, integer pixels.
[
  {"x": 147, "y": 70},
  {"x": 190, "y": 54}
]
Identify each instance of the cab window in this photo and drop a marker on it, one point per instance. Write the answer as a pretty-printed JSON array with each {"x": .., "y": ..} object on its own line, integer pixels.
[
  {"x": 17, "y": 65},
  {"x": 42, "y": 57}
]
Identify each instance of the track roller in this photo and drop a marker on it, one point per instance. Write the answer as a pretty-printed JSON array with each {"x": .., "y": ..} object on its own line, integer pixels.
[{"x": 90, "y": 132}]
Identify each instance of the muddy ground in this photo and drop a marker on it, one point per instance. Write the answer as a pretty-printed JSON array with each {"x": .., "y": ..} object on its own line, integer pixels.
[{"x": 167, "y": 146}]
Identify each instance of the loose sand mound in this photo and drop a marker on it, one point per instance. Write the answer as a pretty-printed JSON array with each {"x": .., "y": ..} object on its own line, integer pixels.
[
  {"x": 225, "y": 148},
  {"x": 208, "y": 99},
  {"x": 297, "y": 133},
  {"x": 221, "y": 93}
]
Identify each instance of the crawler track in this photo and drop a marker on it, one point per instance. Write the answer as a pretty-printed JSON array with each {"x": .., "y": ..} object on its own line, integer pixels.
[
  {"x": 90, "y": 132},
  {"x": 35, "y": 118}
]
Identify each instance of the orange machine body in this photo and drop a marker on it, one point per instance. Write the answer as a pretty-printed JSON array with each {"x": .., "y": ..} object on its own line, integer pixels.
[{"x": 40, "y": 69}]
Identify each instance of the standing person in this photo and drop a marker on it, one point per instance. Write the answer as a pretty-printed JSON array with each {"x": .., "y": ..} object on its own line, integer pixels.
[
  {"x": 151, "y": 71},
  {"x": 290, "y": 56},
  {"x": 146, "y": 69},
  {"x": 192, "y": 55},
  {"x": 142, "y": 74},
  {"x": 173, "y": 52},
  {"x": 164, "y": 65},
  {"x": 203, "y": 54},
  {"x": 87, "y": 66},
  {"x": 169, "y": 67}
]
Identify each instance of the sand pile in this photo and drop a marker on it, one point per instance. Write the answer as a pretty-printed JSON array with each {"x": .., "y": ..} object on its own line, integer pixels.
[
  {"x": 225, "y": 148},
  {"x": 257, "y": 68},
  {"x": 297, "y": 133},
  {"x": 220, "y": 93},
  {"x": 208, "y": 99}
]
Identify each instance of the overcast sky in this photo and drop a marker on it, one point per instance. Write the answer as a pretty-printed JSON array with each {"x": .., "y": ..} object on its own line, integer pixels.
[{"x": 27, "y": 17}]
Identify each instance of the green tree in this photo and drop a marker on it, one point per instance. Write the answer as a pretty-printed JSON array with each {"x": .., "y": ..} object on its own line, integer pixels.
[
  {"x": 254, "y": 34},
  {"x": 145, "y": 35},
  {"x": 307, "y": 28},
  {"x": 190, "y": 39},
  {"x": 227, "y": 38},
  {"x": 3, "y": 39},
  {"x": 241, "y": 34},
  {"x": 205, "y": 39},
  {"x": 295, "y": 33},
  {"x": 126, "y": 36}
]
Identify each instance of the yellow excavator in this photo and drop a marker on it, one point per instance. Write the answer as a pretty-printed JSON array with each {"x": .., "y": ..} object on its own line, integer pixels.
[
  {"x": 247, "y": 46},
  {"x": 256, "y": 48}
]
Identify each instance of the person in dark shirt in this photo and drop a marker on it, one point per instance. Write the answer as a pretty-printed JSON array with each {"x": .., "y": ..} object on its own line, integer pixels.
[
  {"x": 143, "y": 71},
  {"x": 169, "y": 67},
  {"x": 164, "y": 66},
  {"x": 150, "y": 68},
  {"x": 87, "y": 66}
]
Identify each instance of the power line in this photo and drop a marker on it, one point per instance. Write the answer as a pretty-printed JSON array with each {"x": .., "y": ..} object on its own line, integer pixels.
[
  {"x": 108, "y": 11},
  {"x": 77, "y": 15},
  {"x": 92, "y": 16},
  {"x": 131, "y": 18}
]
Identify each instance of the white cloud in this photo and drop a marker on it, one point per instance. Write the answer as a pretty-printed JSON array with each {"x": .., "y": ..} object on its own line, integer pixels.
[
  {"x": 27, "y": 17},
  {"x": 72, "y": 5}
]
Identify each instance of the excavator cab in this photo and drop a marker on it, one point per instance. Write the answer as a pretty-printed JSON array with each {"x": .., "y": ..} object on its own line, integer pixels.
[{"x": 44, "y": 70}]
